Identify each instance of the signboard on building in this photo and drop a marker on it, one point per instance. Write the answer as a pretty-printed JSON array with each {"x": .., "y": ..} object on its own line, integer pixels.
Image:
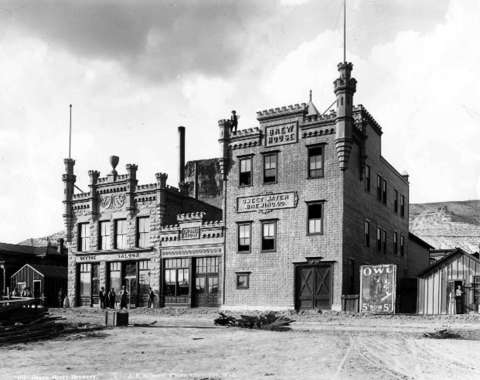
[
  {"x": 265, "y": 203},
  {"x": 281, "y": 134},
  {"x": 378, "y": 285},
  {"x": 191, "y": 233}
]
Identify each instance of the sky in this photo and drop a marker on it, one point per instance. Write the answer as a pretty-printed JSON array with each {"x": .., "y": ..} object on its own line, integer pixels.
[{"x": 135, "y": 70}]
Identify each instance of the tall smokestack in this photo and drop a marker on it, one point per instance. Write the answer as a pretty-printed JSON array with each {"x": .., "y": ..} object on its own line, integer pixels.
[{"x": 181, "y": 168}]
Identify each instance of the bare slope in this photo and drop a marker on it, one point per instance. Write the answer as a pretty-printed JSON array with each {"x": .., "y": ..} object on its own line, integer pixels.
[{"x": 447, "y": 224}]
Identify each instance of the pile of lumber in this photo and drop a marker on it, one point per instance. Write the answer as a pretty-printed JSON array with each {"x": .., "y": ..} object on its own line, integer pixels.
[
  {"x": 23, "y": 325},
  {"x": 265, "y": 321}
]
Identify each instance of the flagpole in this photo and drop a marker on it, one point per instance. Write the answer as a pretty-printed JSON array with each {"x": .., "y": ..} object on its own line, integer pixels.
[{"x": 70, "y": 135}]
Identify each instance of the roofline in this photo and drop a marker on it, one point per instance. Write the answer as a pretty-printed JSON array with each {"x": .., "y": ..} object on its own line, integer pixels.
[
  {"x": 457, "y": 251},
  {"x": 419, "y": 240},
  {"x": 28, "y": 265}
]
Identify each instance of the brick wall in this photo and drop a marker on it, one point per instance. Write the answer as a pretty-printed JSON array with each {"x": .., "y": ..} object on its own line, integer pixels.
[{"x": 272, "y": 273}]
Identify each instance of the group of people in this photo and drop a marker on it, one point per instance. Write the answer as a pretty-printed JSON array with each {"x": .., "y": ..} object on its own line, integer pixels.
[
  {"x": 109, "y": 299},
  {"x": 26, "y": 292}
]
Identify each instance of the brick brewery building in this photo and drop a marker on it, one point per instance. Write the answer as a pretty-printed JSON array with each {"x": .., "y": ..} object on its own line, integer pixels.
[{"x": 282, "y": 220}]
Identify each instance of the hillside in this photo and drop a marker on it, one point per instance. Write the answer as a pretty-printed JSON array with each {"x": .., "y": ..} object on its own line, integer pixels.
[
  {"x": 42, "y": 241},
  {"x": 447, "y": 224}
]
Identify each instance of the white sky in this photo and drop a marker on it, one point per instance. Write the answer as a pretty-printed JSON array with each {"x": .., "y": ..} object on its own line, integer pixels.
[{"x": 134, "y": 71}]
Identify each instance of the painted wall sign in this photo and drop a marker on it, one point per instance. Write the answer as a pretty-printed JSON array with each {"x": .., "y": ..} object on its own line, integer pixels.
[
  {"x": 378, "y": 285},
  {"x": 190, "y": 233},
  {"x": 265, "y": 203},
  {"x": 281, "y": 134}
]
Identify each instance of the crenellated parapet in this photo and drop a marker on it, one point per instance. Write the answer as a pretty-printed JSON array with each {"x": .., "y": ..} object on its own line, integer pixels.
[{"x": 285, "y": 111}]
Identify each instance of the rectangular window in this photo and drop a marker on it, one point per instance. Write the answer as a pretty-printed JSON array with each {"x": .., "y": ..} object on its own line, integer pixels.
[
  {"x": 315, "y": 218},
  {"x": 384, "y": 241},
  {"x": 402, "y": 206},
  {"x": 269, "y": 232},
  {"x": 379, "y": 239},
  {"x": 395, "y": 202},
  {"x": 115, "y": 276},
  {"x": 395, "y": 243},
  {"x": 315, "y": 162},
  {"x": 367, "y": 178},
  {"x": 83, "y": 237},
  {"x": 379, "y": 188},
  {"x": 243, "y": 280},
  {"x": 177, "y": 279},
  {"x": 270, "y": 168},
  {"x": 85, "y": 280},
  {"x": 402, "y": 245},
  {"x": 384, "y": 191},
  {"x": 244, "y": 237},
  {"x": 245, "y": 172},
  {"x": 104, "y": 236},
  {"x": 367, "y": 233},
  {"x": 120, "y": 234},
  {"x": 143, "y": 232}
]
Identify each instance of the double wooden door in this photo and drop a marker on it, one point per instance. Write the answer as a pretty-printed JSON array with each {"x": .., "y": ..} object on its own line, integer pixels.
[{"x": 313, "y": 286}]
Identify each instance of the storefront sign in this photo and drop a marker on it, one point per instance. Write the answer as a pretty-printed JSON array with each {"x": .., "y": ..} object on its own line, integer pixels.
[
  {"x": 87, "y": 258},
  {"x": 191, "y": 233},
  {"x": 112, "y": 256},
  {"x": 378, "y": 285},
  {"x": 267, "y": 202},
  {"x": 281, "y": 134}
]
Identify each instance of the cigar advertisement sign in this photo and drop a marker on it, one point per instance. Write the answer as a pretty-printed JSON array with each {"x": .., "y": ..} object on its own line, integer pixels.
[
  {"x": 265, "y": 203},
  {"x": 378, "y": 285}
]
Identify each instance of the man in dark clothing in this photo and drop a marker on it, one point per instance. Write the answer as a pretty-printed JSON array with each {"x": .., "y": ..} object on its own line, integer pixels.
[
  {"x": 111, "y": 298},
  {"x": 151, "y": 297},
  {"x": 123, "y": 298},
  {"x": 60, "y": 297},
  {"x": 102, "y": 296}
]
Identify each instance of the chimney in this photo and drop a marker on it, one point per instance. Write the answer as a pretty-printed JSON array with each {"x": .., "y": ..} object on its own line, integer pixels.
[{"x": 181, "y": 168}]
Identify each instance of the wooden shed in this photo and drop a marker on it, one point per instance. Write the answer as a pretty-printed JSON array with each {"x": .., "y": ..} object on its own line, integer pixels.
[
  {"x": 451, "y": 285},
  {"x": 44, "y": 281}
]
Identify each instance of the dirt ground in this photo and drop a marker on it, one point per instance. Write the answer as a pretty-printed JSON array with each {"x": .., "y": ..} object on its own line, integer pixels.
[{"x": 186, "y": 345}]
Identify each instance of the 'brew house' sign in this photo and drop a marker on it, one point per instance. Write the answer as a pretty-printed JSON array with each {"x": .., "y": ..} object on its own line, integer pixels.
[
  {"x": 265, "y": 203},
  {"x": 378, "y": 284},
  {"x": 281, "y": 134}
]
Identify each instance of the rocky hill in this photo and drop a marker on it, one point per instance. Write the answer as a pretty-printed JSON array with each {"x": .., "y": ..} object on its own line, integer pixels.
[
  {"x": 447, "y": 224},
  {"x": 43, "y": 241}
]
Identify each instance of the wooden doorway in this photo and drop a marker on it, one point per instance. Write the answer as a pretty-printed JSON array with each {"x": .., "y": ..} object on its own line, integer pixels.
[
  {"x": 313, "y": 286},
  {"x": 206, "y": 282}
]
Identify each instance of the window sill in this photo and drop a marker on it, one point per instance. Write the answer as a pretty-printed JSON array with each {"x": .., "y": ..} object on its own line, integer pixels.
[
  {"x": 270, "y": 183},
  {"x": 268, "y": 251},
  {"x": 314, "y": 233},
  {"x": 244, "y": 252},
  {"x": 318, "y": 177},
  {"x": 242, "y": 186}
]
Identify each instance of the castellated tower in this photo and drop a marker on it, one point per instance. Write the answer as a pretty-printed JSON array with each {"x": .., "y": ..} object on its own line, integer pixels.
[
  {"x": 344, "y": 87},
  {"x": 69, "y": 180}
]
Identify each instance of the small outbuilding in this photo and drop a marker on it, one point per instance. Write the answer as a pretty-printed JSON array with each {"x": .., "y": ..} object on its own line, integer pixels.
[
  {"x": 451, "y": 285},
  {"x": 46, "y": 282}
]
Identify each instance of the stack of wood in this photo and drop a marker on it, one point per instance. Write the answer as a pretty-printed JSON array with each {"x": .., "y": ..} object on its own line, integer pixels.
[
  {"x": 23, "y": 325},
  {"x": 266, "y": 321}
]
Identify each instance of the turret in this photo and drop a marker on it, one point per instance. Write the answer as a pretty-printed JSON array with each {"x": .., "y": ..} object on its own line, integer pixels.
[
  {"x": 225, "y": 128},
  {"x": 69, "y": 181},
  {"x": 344, "y": 87}
]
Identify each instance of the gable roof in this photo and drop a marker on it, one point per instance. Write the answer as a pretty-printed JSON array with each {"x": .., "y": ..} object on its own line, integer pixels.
[
  {"x": 437, "y": 264},
  {"x": 50, "y": 271}
]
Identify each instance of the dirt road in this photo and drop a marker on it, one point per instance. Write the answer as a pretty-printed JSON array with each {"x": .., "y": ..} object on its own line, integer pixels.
[{"x": 190, "y": 347}]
